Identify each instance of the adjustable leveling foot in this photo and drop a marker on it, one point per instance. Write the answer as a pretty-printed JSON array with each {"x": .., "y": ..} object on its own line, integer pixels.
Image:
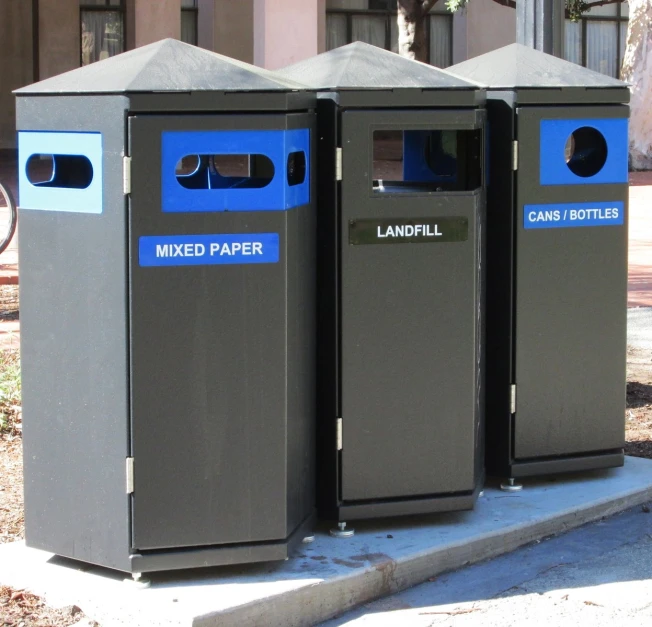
[{"x": 341, "y": 531}]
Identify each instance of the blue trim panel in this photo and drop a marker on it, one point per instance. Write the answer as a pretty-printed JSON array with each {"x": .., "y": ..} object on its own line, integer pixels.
[
  {"x": 576, "y": 214},
  {"x": 555, "y": 133},
  {"x": 208, "y": 250},
  {"x": 276, "y": 145},
  {"x": 47, "y": 197}
]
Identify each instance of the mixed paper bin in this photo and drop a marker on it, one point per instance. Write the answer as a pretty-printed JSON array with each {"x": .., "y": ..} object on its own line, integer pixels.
[{"x": 168, "y": 312}]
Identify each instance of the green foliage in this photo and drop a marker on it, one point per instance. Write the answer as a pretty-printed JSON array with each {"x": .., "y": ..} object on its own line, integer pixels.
[
  {"x": 455, "y": 5},
  {"x": 574, "y": 8},
  {"x": 10, "y": 399}
]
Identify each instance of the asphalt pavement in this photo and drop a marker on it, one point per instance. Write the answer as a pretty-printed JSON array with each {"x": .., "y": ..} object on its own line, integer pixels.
[{"x": 598, "y": 575}]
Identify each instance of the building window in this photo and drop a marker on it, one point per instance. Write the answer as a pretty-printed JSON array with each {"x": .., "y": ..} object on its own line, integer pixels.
[
  {"x": 189, "y": 21},
  {"x": 597, "y": 41},
  {"x": 102, "y": 29},
  {"x": 374, "y": 21}
]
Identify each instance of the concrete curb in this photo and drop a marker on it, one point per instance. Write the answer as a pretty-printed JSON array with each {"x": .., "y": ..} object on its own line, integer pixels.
[
  {"x": 332, "y": 576},
  {"x": 308, "y": 606}
]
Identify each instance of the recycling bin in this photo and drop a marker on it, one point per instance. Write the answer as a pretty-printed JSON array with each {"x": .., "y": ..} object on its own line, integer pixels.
[
  {"x": 168, "y": 311},
  {"x": 557, "y": 263},
  {"x": 400, "y": 215}
]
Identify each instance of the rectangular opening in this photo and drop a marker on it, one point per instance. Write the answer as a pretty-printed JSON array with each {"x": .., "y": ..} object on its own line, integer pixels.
[{"x": 413, "y": 161}]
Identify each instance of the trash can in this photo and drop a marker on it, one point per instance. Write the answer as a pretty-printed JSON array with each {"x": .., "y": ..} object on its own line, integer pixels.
[
  {"x": 168, "y": 318},
  {"x": 401, "y": 205},
  {"x": 557, "y": 263}
]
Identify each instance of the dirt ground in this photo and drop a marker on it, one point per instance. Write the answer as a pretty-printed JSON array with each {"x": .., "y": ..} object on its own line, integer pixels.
[
  {"x": 19, "y": 608},
  {"x": 638, "y": 415}
]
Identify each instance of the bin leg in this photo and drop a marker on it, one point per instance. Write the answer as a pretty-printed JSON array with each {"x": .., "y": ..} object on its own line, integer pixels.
[
  {"x": 511, "y": 486},
  {"x": 341, "y": 531},
  {"x": 138, "y": 581}
]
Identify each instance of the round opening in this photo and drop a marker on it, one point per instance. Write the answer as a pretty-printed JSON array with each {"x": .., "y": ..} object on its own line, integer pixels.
[{"x": 585, "y": 151}]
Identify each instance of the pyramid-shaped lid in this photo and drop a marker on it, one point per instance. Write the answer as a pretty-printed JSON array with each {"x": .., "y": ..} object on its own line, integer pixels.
[
  {"x": 167, "y": 65},
  {"x": 518, "y": 66},
  {"x": 363, "y": 66}
]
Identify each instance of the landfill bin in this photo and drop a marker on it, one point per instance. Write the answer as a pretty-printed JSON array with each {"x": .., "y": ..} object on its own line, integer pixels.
[
  {"x": 557, "y": 263},
  {"x": 401, "y": 205},
  {"x": 167, "y": 296}
]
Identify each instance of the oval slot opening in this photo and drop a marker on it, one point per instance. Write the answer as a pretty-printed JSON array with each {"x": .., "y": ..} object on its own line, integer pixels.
[
  {"x": 64, "y": 171},
  {"x": 224, "y": 171},
  {"x": 296, "y": 168}
]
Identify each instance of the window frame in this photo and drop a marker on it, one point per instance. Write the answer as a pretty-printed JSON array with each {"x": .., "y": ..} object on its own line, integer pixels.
[
  {"x": 195, "y": 10},
  {"x": 103, "y": 8},
  {"x": 617, "y": 19},
  {"x": 389, "y": 15}
]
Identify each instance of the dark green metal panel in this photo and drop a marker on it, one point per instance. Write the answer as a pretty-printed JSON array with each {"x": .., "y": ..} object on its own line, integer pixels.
[
  {"x": 74, "y": 351},
  {"x": 570, "y": 310},
  {"x": 222, "y": 366},
  {"x": 410, "y": 316}
]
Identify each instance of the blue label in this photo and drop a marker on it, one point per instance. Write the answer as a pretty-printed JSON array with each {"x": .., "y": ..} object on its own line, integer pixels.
[
  {"x": 574, "y": 214},
  {"x": 554, "y": 169},
  {"x": 206, "y": 250}
]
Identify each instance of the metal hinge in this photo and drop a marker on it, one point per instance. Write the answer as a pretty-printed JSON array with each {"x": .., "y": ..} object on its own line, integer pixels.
[
  {"x": 512, "y": 398},
  {"x": 130, "y": 475},
  {"x": 126, "y": 175},
  {"x": 514, "y": 155},
  {"x": 339, "y": 434},
  {"x": 338, "y": 164}
]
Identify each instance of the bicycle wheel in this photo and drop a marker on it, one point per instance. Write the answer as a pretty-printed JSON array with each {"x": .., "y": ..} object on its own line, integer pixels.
[{"x": 8, "y": 217}]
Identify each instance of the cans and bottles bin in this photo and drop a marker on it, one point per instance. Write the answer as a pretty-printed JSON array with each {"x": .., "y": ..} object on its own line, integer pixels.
[
  {"x": 557, "y": 263},
  {"x": 249, "y": 294}
]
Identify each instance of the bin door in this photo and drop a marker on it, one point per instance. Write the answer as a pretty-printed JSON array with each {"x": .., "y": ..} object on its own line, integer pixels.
[
  {"x": 409, "y": 303},
  {"x": 215, "y": 334},
  {"x": 571, "y": 280}
]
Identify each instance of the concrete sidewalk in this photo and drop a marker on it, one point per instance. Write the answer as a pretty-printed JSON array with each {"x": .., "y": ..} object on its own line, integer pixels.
[{"x": 333, "y": 575}]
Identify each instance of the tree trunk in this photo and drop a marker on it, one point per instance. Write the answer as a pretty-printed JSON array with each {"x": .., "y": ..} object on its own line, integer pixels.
[
  {"x": 637, "y": 70},
  {"x": 412, "y": 15}
]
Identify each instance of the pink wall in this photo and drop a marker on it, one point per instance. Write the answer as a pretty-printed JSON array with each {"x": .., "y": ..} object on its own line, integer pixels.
[
  {"x": 156, "y": 20},
  {"x": 286, "y": 31},
  {"x": 59, "y": 40},
  {"x": 489, "y": 26},
  {"x": 227, "y": 27}
]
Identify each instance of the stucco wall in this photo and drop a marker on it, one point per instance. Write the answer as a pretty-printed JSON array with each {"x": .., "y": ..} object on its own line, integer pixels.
[
  {"x": 16, "y": 62},
  {"x": 488, "y": 26},
  {"x": 227, "y": 27},
  {"x": 59, "y": 42},
  {"x": 156, "y": 20},
  {"x": 285, "y": 31}
]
